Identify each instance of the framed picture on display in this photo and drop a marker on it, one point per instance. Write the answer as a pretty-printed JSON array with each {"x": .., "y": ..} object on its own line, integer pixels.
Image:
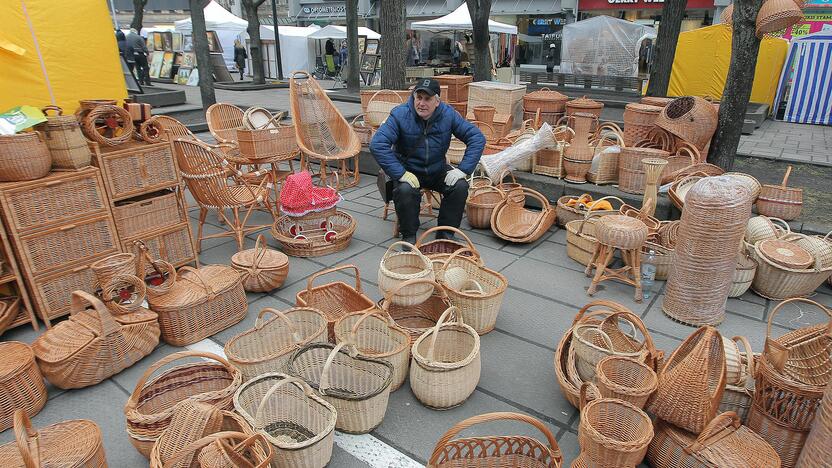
[
  {"x": 156, "y": 59},
  {"x": 362, "y": 44},
  {"x": 187, "y": 43},
  {"x": 167, "y": 65},
  {"x": 369, "y": 63},
  {"x": 177, "y": 42},
  {"x": 372, "y": 47},
  {"x": 188, "y": 60},
  {"x": 183, "y": 75},
  {"x": 193, "y": 78},
  {"x": 214, "y": 42}
]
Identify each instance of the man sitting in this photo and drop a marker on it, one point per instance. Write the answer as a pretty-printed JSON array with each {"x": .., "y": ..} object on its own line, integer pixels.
[{"x": 410, "y": 147}]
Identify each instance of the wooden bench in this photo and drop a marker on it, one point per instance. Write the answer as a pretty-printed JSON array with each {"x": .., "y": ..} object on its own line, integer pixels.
[{"x": 618, "y": 83}]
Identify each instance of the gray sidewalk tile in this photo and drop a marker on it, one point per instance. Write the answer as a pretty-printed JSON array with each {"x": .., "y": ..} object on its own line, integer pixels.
[
  {"x": 342, "y": 458},
  {"x": 559, "y": 236},
  {"x": 800, "y": 314},
  {"x": 569, "y": 447},
  {"x": 524, "y": 249},
  {"x": 746, "y": 308},
  {"x": 372, "y": 229},
  {"x": 550, "y": 252},
  {"x": 356, "y": 246},
  {"x": 209, "y": 229},
  {"x": 534, "y": 318}
]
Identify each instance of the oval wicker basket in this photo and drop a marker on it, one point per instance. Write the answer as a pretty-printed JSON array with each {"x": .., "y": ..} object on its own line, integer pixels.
[
  {"x": 577, "y": 211},
  {"x": 397, "y": 267},
  {"x": 70, "y": 443},
  {"x": 776, "y": 282},
  {"x": 21, "y": 383},
  {"x": 513, "y": 222},
  {"x": 262, "y": 269},
  {"x": 317, "y": 237},
  {"x": 479, "y": 296},
  {"x": 419, "y": 318},
  {"x": 480, "y": 205},
  {"x": 626, "y": 379},
  {"x": 763, "y": 227},
  {"x": 24, "y": 156}
]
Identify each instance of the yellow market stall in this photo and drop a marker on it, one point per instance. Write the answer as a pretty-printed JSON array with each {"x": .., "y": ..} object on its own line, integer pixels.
[
  {"x": 54, "y": 53},
  {"x": 701, "y": 64}
]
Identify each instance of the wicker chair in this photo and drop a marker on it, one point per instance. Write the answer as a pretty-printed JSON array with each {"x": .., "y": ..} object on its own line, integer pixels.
[
  {"x": 176, "y": 129},
  {"x": 207, "y": 177},
  {"x": 223, "y": 122},
  {"x": 322, "y": 132}
]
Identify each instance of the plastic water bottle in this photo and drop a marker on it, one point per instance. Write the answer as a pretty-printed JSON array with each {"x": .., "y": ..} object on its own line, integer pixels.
[{"x": 648, "y": 273}]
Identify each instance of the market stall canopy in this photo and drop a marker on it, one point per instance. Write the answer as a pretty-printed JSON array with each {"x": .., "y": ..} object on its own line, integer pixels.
[
  {"x": 296, "y": 52},
  {"x": 340, "y": 32},
  {"x": 40, "y": 60},
  {"x": 460, "y": 20},
  {"x": 227, "y": 26},
  {"x": 703, "y": 55},
  {"x": 809, "y": 67},
  {"x": 603, "y": 46}
]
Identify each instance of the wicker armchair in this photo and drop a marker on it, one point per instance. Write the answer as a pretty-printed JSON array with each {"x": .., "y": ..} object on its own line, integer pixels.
[
  {"x": 223, "y": 122},
  {"x": 176, "y": 129},
  {"x": 206, "y": 174}
]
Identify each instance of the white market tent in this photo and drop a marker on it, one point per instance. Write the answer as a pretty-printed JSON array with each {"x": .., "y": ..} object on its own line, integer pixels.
[
  {"x": 460, "y": 20},
  {"x": 340, "y": 32},
  {"x": 806, "y": 80},
  {"x": 296, "y": 49},
  {"x": 227, "y": 26},
  {"x": 603, "y": 45}
]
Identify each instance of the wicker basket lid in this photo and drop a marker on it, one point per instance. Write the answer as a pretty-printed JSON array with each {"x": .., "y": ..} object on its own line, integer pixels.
[
  {"x": 16, "y": 356},
  {"x": 546, "y": 95},
  {"x": 188, "y": 290},
  {"x": 656, "y": 101},
  {"x": 642, "y": 108},
  {"x": 584, "y": 103},
  {"x": 269, "y": 258},
  {"x": 785, "y": 253}
]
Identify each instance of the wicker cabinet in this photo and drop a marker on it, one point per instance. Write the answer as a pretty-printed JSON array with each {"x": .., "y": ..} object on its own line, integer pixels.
[
  {"x": 12, "y": 288},
  {"x": 58, "y": 226},
  {"x": 145, "y": 191}
]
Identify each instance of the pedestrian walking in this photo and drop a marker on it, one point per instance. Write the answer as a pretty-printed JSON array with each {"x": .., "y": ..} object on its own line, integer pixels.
[
  {"x": 551, "y": 59},
  {"x": 240, "y": 56},
  {"x": 138, "y": 50}
]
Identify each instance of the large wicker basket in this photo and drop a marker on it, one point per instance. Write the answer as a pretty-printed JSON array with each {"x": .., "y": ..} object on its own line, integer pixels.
[
  {"x": 417, "y": 319},
  {"x": 479, "y": 295},
  {"x": 693, "y": 119},
  {"x": 777, "y": 282},
  {"x": 21, "y": 383},
  {"x": 638, "y": 121},
  {"x": 397, "y": 267},
  {"x": 612, "y": 432},
  {"x": 544, "y": 100},
  {"x": 67, "y": 146},
  {"x": 23, "y": 156},
  {"x": 816, "y": 450},
  {"x": 74, "y": 443},
  {"x": 314, "y": 236}
]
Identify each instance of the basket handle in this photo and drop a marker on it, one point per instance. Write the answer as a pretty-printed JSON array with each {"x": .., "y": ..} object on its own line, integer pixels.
[
  {"x": 144, "y": 253},
  {"x": 743, "y": 341},
  {"x": 259, "y": 323},
  {"x": 826, "y": 237},
  {"x": 476, "y": 289},
  {"x": 451, "y": 229},
  {"x": 788, "y": 230},
  {"x": 386, "y": 91},
  {"x": 717, "y": 425},
  {"x": 502, "y": 175},
  {"x": 488, "y": 417},
  {"x": 392, "y": 293},
  {"x": 458, "y": 253},
  {"x": 132, "y": 402},
  {"x": 355, "y": 119},
  {"x": 603, "y": 334},
  {"x": 296, "y": 381},
  {"x": 544, "y": 202},
  {"x": 312, "y": 278},
  {"x": 297, "y": 74},
  {"x": 374, "y": 311},
  {"x": 413, "y": 250},
  {"x": 323, "y": 385},
  {"x": 457, "y": 317},
  {"x": 786, "y": 177},
  {"x": 106, "y": 325},
  {"x": 477, "y": 191},
  {"x": 652, "y": 354},
  {"x": 588, "y": 393},
  {"x": 56, "y": 109},
  {"x": 613, "y": 306},
  {"x": 776, "y": 353},
  {"x": 195, "y": 446},
  {"x": 259, "y": 247},
  {"x": 208, "y": 290},
  {"x": 23, "y": 434}
]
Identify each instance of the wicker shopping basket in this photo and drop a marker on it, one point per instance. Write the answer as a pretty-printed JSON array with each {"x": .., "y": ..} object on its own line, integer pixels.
[
  {"x": 21, "y": 383},
  {"x": 567, "y": 210},
  {"x": 737, "y": 396},
  {"x": 446, "y": 363},
  {"x": 66, "y": 143},
  {"x": 268, "y": 346},
  {"x": 397, "y": 267},
  {"x": 94, "y": 344},
  {"x": 74, "y": 443},
  {"x": 626, "y": 379},
  {"x": 480, "y": 205},
  {"x": 357, "y": 386},
  {"x": 478, "y": 294},
  {"x": 593, "y": 342},
  {"x": 503, "y": 451},
  {"x": 335, "y": 299},
  {"x": 780, "y": 201},
  {"x": 380, "y": 105},
  {"x": 151, "y": 405},
  {"x": 262, "y": 269},
  {"x": 439, "y": 249},
  {"x": 296, "y": 422},
  {"x": 191, "y": 421},
  {"x": 513, "y": 222},
  {"x": 419, "y": 318}
]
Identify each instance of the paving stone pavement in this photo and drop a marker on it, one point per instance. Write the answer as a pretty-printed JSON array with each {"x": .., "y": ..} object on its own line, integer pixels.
[
  {"x": 789, "y": 142},
  {"x": 546, "y": 290}
]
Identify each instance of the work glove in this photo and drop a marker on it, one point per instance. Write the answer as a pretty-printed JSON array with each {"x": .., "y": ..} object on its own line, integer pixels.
[
  {"x": 411, "y": 179},
  {"x": 453, "y": 176}
]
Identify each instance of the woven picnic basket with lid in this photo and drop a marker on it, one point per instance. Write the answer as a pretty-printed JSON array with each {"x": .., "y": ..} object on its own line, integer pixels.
[
  {"x": 446, "y": 364},
  {"x": 780, "y": 201},
  {"x": 268, "y": 346},
  {"x": 376, "y": 335},
  {"x": 73, "y": 443},
  {"x": 94, "y": 344},
  {"x": 778, "y": 282},
  {"x": 24, "y": 156},
  {"x": 497, "y": 451},
  {"x": 201, "y": 302},
  {"x": 66, "y": 143},
  {"x": 262, "y": 269},
  {"x": 21, "y": 383},
  {"x": 149, "y": 409},
  {"x": 723, "y": 443},
  {"x": 357, "y": 386},
  {"x": 479, "y": 296},
  {"x": 296, "y": 422},
  {"x": 397, "y": 267},
  {"x": 419, "y": 318},
  {"x": 335, "y": 299}
]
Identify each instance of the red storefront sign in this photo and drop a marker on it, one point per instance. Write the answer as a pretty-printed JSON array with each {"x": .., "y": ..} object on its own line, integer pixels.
[{"x": 584, "y": 5}]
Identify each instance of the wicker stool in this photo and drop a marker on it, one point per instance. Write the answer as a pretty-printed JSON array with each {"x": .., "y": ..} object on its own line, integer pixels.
[{"x": 627, "y": 235}]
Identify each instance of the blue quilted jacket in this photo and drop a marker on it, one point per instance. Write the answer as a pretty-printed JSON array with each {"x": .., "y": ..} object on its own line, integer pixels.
[{"x": 406, "y": 142}]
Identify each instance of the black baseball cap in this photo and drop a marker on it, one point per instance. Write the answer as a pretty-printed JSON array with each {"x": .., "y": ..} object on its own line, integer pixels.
[{"x": 428, "y": 85}]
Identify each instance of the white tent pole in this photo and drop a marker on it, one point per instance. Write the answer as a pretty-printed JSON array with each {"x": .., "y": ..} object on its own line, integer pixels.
[{"x": 113, "y": 12}]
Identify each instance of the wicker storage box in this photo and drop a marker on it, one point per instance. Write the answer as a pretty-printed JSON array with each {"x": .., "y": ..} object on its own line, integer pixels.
[
  {"x": 65, "y": 140},
  {"x": 135, "y": 168},
  {"x": 506, "y": 98},
  {"x": 267, "y": 143},
  {"x": 147, "y": 213},
  {"x": 457, "y": 87},
  {"x": 173, "y": 244},
  {"x": 21, "y": 383},
  {"x": 75, "y": 443},
  {"x": 200, "y": 303}
]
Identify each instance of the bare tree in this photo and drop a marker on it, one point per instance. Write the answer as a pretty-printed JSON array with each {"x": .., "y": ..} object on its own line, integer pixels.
[
  {"x": 662, "y": 63},
  {"x": 480, "y": 10},
  {"x": 392, "y": 24},
  {"x": 203, "y": 55},
  {"x": 744, "y": 48},
  {"x": 255, "y": 45},
  {"x": 353, "y": 84},
  {"x": 138, "y": 14}
]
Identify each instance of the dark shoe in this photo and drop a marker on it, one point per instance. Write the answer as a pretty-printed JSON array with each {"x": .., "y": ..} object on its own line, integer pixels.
[{"x": 445, "y": 235}]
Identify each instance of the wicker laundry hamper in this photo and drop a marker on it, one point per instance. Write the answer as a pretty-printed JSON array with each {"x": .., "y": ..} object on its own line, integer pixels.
[
  {"x": 262, "y": 269},
  {"x": 691, "y": 118},
  {"x": 67, "y": 145},
  {"x": 21, "y": 383},
  {"x": 74, "y": 443}
]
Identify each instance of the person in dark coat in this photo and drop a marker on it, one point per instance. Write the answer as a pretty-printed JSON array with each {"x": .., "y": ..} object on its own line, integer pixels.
[
  {"x": 136, "y": 44},
  {"x": 240, "y": 56},
  {"x": 410, "y": 147}
]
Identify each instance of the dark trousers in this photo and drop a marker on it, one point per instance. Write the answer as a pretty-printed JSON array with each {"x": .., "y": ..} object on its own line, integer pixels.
[
  {"x": 142, "y": 68},
  {"x": 408, "y": 202}
]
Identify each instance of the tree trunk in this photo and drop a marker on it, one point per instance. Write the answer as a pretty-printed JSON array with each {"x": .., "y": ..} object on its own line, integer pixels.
[
  {"x": 665, "y": 49},
  {"x": 203, "y": 55},
  {"x": 744, "y": 49},
  {"x": 353, "y": 65},
  {"x": 393, "y": 61},
  {"x": 480, "y": 11},
  {"x": 138, "y": 14},
  {"x": 255, "y": 45}
]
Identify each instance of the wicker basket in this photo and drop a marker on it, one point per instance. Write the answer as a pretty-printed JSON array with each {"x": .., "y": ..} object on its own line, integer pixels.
[
  {"x": 357, "y": 386},
  {"x": 496, "y": 451},
  {"x": 479, "y": 295},
  {"x": 776, "y": 15},
  {"x": 586, "y": 105},
  {"x": 747, "y": 180},
  {"x": 480, "y": 205},
  {"x": 691, "y": 382},
  {"x": 380, "y": 105},
  {"x": 440, "y": 249},
  {"x": 457, "y": 87},
  {"x": 66, "y": 143},
  {"x": 108, "y": 125},
  {"x": 580, "y": 239},
  {"x": 272, "y": 144},
  {"x": 21, "y": 383},
  {"x": 200, "y": 303},
  {"x": 191, "y": 421},
  {"x": 776, "y": 282},
  {"x": 397, "y": 267},
  {"x": 693, "y": 119},
  {"x": 456, "y": 151},
  {"x": 585, "y": 204},
  {"x": 737, "y": 396},
  {"x": 593, "y": 342},
  {"x": 296, "y": 422},
  {"x": 743, "y": 275},
  {"x": 262, "y": 269},
  {"x": 74, "y": 443},
  {"x": 545, "y": 101},
  {"x": 761, "y": 228},
  {"x": 420, "y": 318},
  {"x": 612, "y": 432},
  {"x": 655, "y": 101},
  {"x": 780, "y": 201},
  {"x": 93, "y": 344},
  {"x": 151, "y": 405},
  {"x": 803, "y": 356},
  {"x": 638, "y": 121},
  {"x": 816, "y": 450},
  {"x": 723, "y": 443},
  {"x": 335, "y": 299},
  {"x": 314, "y": 236},
  {"x": 626, "y": 379},
  {"x": 115, "y": 265},
  {"x": 513, "y": 222},
  {"x": 446, "y": 365},
  {"x": 362, "y": 129},
  {"x": 125, "y": 295},
  {"x": 817, "y": 246},
  {"x": 24, "y": 156},
  {"x": 225, "y": 449},
  {"x": 267, "y": 346}
]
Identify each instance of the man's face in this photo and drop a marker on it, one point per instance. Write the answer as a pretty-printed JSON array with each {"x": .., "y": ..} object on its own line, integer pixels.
[{"x": 425, "y": 104}]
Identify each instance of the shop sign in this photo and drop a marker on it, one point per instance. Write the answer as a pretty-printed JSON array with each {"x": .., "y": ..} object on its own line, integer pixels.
[
  {"x": 812, "y": 23},
  {"x": 325, "y": 10},
  {"x": 584, "y": 5},
  {"x": 547, "y": 21}
]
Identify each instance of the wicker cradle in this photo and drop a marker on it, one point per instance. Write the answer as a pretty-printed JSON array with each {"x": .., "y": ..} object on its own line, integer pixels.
[
  {"x": 479, "y": 296},
  {"x": 74, "y": 443},
  {"x": 21, "y": 383}
]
